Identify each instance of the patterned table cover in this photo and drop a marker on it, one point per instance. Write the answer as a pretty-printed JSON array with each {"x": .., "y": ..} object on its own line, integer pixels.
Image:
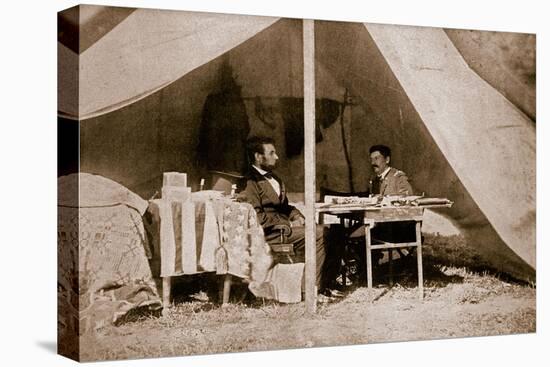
[{"x": 207, "y": 235}]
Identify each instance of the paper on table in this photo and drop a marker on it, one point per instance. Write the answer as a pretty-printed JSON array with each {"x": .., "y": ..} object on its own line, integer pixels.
[{"x": 330, "y": 199}]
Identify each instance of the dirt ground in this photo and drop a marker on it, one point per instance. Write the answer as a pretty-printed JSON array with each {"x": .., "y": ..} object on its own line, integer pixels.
[{"x": 458, "y": 302}]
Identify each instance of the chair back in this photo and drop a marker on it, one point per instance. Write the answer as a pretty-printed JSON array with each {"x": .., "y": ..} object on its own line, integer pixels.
[{"x": 223, "y": 181}]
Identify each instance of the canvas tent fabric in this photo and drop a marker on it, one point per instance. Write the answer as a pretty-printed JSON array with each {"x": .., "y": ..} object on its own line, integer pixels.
[
  {"x": 488, "y": 142},
  {"x": 454, "y": 134},
  {"x": 430, "y": 107},
  {"x": 167, "y": 45},
  {"x": 512, "y": 73}
]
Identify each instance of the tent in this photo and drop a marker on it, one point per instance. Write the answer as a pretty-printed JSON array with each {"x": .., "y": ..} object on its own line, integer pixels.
[{"x": 135, "y": 83}]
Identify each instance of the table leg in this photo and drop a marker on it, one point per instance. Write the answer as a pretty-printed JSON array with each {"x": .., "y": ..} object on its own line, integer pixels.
[
  {"x": 344, "y": 265},
  {"x": 390, "y": 265},
  {"x": 368, "y": 253},
  {"x": 166, "y": 290},
  {"x": 226, "y": 288},
  {"x": 419, "y": 261}
]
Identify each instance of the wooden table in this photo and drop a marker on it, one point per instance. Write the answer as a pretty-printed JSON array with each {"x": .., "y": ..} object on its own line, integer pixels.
[{"x": 373, "y": 215}]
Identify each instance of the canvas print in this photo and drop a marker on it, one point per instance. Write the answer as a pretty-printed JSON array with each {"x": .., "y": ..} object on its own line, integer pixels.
[{"x": 232, "y": 183}]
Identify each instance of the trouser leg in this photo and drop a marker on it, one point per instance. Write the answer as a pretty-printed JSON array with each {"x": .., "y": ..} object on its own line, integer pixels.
[{"x": 334, "y": 247}]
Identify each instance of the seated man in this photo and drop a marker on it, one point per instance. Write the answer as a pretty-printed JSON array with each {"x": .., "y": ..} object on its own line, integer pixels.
[
  {"x": 266, "y": 192},
  {"x": 387, "y": 181}
]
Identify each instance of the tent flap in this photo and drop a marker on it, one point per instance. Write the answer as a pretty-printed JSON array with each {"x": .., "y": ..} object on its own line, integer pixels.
[
  {"x": 151, "y": 49},
  {"x": 488, "y": 142}
]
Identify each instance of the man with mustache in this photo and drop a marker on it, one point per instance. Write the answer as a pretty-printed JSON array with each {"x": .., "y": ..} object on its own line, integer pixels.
[
  {"x": 266, "y": 192},
  {"x": 387, "y": 180}
]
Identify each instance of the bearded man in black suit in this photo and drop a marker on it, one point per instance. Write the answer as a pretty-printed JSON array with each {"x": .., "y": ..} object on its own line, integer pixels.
[{"x": 266, "y": 192}]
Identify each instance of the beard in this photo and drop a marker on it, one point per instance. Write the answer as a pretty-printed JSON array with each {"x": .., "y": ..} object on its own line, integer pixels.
[{"x": 267, "y": 167}]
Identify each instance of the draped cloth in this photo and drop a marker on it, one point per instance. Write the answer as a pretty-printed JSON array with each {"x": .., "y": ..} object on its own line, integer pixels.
[
  {"x": 284, "y": 283},
  {"x": 103, "y": 270},
  {"x": 123, "y": 66},
  {"x": 210, "y": 235}
]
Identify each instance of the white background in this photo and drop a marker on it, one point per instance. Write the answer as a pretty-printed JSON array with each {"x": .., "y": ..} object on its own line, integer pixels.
[{"x": 28, "y": 166}]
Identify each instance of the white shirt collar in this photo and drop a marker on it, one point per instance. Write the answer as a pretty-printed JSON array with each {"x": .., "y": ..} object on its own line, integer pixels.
[
  {"x": 261, "y": 171},
  {"x": 274, "y": 183},
  {"x": 385, "y": 173}
]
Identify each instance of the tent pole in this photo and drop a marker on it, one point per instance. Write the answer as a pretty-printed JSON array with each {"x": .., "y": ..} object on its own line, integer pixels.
[{"x": 309, "y": 163}]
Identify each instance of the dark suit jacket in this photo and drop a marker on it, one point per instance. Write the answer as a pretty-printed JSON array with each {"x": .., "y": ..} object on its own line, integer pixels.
[{"x": 271, "y": 209}]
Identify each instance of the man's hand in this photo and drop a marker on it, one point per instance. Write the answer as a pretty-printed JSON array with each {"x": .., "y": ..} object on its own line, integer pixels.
[
  {"x": 284, "y": 228},
  {"x": 299, "y": 221}
]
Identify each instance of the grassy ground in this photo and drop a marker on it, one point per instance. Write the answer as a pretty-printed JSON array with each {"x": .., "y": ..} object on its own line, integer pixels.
[{"x": 459, "y": 300}]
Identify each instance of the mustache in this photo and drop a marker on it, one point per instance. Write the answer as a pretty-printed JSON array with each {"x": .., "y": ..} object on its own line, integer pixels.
[{"x": 374, "y": 165}]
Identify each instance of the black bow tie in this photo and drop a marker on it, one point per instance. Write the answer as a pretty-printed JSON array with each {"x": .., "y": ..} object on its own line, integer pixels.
[{"x": 268, "y": 175}]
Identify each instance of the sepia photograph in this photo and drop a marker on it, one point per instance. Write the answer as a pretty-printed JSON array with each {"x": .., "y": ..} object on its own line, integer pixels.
[
  {"x": 338, "y": 184},
  {"x": 232, "y": 183}
]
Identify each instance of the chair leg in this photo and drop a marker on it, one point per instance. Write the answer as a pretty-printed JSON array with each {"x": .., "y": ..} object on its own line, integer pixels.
[{"x": 344, "y": 264}]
